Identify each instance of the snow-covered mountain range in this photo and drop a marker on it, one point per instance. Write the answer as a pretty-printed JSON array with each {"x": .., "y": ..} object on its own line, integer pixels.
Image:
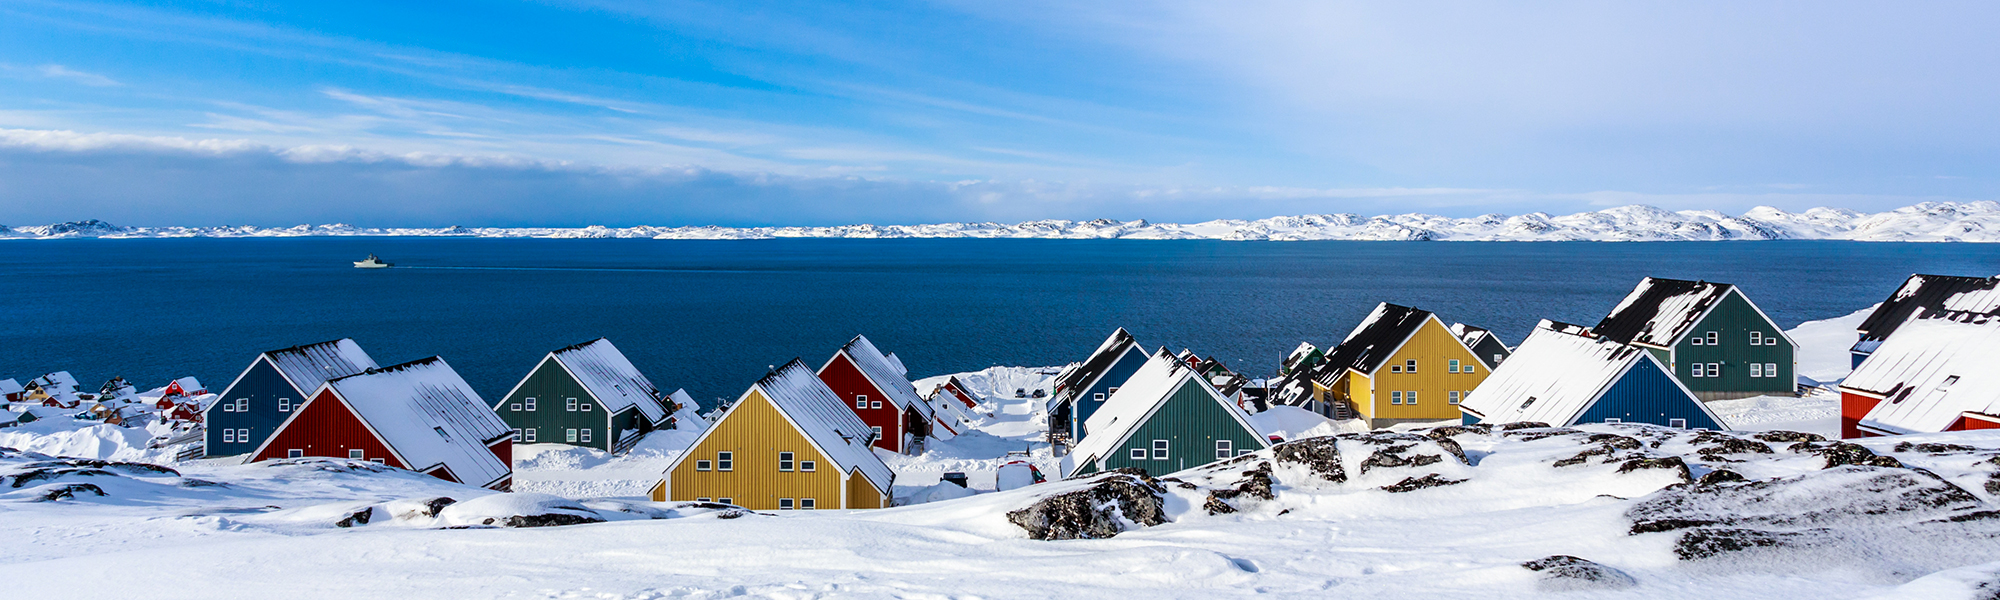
[{"x": 1926, "y": 222}]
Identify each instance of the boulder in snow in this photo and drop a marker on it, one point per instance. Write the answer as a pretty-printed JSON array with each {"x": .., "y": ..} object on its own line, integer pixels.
[
  {"x": 1115, "y": 501},
  {"x": 1564, "y": 573},
  {"x": 517, "y": 510}
]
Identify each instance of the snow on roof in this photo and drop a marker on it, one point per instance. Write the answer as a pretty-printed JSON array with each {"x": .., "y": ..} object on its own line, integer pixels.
[
  {"x": 1304, "y": 356},
  {"x": 1930, "y": 293},
  {"x": 884, "y": 372},
  {"x": 1373, "y": 341},
  {"x": 1469, "y": 335},
  {"x": 9, "y": 386},
  {"x": 612, "y": 378},
  {"x": 59, "y": 381},
  {"x": 1555, "y": 374},
  {"x": 1659, "y": 311},
  {"x": 429, "y": 416},
  {"x": 688, "y": 418},
  {"x": 1080, "y": 376},
  {"x": 1146, "y": 391},
  {"x": 898, "y": 362},
  {"x": 310, "y": 365},
  {"x": 1295, "y": 389},
  {"x": 840, "y": 434},
  {"x": 1937, "y": 366}
]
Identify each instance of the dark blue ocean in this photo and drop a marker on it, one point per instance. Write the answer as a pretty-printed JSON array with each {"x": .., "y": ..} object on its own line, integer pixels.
[{"x": 710, "y": 316}]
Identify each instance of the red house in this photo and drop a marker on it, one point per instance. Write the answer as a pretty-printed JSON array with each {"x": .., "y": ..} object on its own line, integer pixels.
[
  {"x": 958, "y": 390},
  {"x": 1938, "y": 372},
  {"x": 876, "y": 388},
  {"x": 419, "y": 416}
]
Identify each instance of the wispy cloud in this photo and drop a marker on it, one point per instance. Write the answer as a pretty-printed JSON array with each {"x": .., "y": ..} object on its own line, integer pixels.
[{"x": 66, "y": 73}]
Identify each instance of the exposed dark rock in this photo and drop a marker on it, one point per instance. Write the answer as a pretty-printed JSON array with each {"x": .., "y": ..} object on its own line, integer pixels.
[
  {"x": 53, "y": 473},
  {"x": 1451, "y": 446},
  {"x": 1783, "y": 437},
  {"x": 1720, "y": 476},
  {"x": 1319, "y": 455},
  {"x": 1659, "y": 462},
  {"x": 1411, "y": 484},
  {"x": 1584, "y": 456},
  {"x": 1383, "y": 459},
  {"x": 1843, "y": 453},
  {"x": 1446, "y": 432},
  {"x": 1659, "y": 525},
  {"x": 1615, "y": 441},
  {"x": 1706, "y": 542},
  {"x": 361, "y": 517},
  {"x": 1848, "y": 497},
  {"x": 551, "y": 520},
  {"x": 1933, "y": 448},
  {"x": 1422, "y": 460},
  {"x": 1564, "y": 573},
  {"x": 1717, "y": 445},
  {"x": 1097, "y": 512},
  {"x": 199, "y": 483},
  {"x": 1256, "y": 483},
  {"x": 1529, "y": 435},
  {"x": 1523, "y": 425},
  {"x": 67, "y": 491},
  {"x": 733, "y": 513},
  {"x": 127, "y": 467}
]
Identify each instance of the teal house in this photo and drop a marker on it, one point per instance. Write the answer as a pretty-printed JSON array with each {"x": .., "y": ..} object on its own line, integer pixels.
[
  {"x": 1709, "y": 335},
  {"x": 586, "y": 395},
  {"x": 1167, "y": 417}
]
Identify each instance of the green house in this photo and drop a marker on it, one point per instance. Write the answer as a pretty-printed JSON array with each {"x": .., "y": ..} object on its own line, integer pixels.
[
  {"x": 586, "y": 395},
  {"x": 1716, "y": 342},
  {"x": 1165, "y": 418}
]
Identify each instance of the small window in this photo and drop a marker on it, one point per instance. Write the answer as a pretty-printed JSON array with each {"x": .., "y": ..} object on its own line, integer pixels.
[
  {"x": 1410, "y": 366},
  {"x": 704, "y": 499},
  {"x": 229, "y": 436},
  {"x": 784, "y": 504},
  {"x": 1527, "y": 403},
  {"x": 442, "y": 434},
  {"x": 1757, "y": 370},
  {"x": 1395, "y": 368},
  {"x": 1714, "y": 369},
  {"x": 725, "y": 461},
  {"x": 1677, "y": 423},
  {"x": 528, "y": 403},
  {"x": 1714, "y": 338},
  {"x": 583, "y": 435},
  {"x": 1497, "y": 358},
  {"x": 569, "y": 436},
  {"x": 531, "y": 434},
  {"x": 1159, "y": 449},
  {"x": 1452, "y": 397},
  {"x": 1697, "y": 340},
  {"x": 357, "y": 454},
  {"x": 1756, "y": 338},
  {"x": 729, "y": 501},
  {"x": 1614, "y": 420},
  {"x": 1138, "y": 454},
  {"x": 701, "y": 465},
  {"x": 516, "y": 407},
  {"x": 808, "y": 466},
  {"x": 1410, "y": 397},
  {"x": 1698, "y": 370},
  {"x": 1223, "y": 450},
  {"x": 243, "y": 435},
  {"x": 784, "y": 461},
  {"x": 1470, "y": 367},
  {"x": 242, "y": 405},
  {"x": 874, "y": 404},
  {"x": 1770, "y": 369},
  {"x": 295, "y": 453},
  {"x": 807, "y": 504},
  {"x": 1395, "y": 397},
  {"x": 229, "y": 407},
  {"x": 861, "y": 402},
  {"x": 1946, "y": 384},
  {"x": 377, "y": 461},
  {"x": 284, "y": 405},
  {"x": 1097, "y": 396},
  {"x": 517, "y": 436},
  {"x": 570, "y": 405},
  {"x": 1451, "y": 367},
  {"x": 1244, "y": 451},
  {"x": 878, "y": 431}
]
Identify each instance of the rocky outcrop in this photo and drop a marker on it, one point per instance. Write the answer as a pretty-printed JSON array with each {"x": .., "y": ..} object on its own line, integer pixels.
[
  {"x": 1113, "y": 503},
  {"x": 1564, "y": 573}
]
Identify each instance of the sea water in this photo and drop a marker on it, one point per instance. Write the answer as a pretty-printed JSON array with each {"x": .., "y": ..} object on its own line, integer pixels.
[{"x": 712, "y": 316}]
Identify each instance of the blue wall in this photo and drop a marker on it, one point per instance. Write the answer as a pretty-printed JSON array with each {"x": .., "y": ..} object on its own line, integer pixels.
[
  {"x": 1646, "y": 394},
  {"x": 1086, "y": 403},
  {"x": 263, "y": 386}
]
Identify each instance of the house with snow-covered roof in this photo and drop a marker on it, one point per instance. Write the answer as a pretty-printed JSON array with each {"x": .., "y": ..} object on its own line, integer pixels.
[
  {"x": 54, "y": 389},
  {"x": 1083, "y": 387},
  {"x": 11, "y": 391},
  {"x": 271, "y": 389},
  {"x": 958, "y": 391},
  {"x": 1167, "y": 417},
  {"x": 1564, "y": 375},
  {"x": 418, "y": 415},
  {"x": 1939, "y": 372},
  {"x": 1399, "y": 365},
  {"x": 1305, "y": 356},
  {"x": 1483, "y": 343},
  {"x": 1927, "y": 293},
  {"x": 1710, "y": 335},
  {"x": 875, "y": 388},
  {"x": 587, "y": 395},
  {"x": 787, "y": 443}
]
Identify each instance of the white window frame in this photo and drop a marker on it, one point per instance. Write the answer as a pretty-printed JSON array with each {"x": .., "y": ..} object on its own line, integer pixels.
[
  {"x": 1697, "y": 369},
  {"x": 1714, "y": 338},
  {"x": 228, "y": 436},
  {"x": 569, "y": 436},
  {"x": 861, "y": 402},
  {"x": 874, "y": 404},
  {"x": 357, "y": 454},
  {"x": 1756, "y": 338},
  {"x": 583, "y": 435},
  {"x": 1410, "y": 398},
  {"x": 243, "y": 435},
  {"x": 878, "y": 431},
  {"x": 569, "y": 404},
  {"x": 1451, "y": 366},
  {"x": 584, "y": 405},
  {"x": 808, "y": 504},
  {"x": 728, "y": 501},
  {"x": 1677, "y": 423},
  {"x": 1770, "y": 369},
  {"x": 704, "y": 499},
  {"x": 517, "y": 436},
  {"x": 1497, "y": 358},
  {"x": 1757, "y": 370},
  {"x": 1453, "y": 397},
  {"x": 516, "y": 407},
  {"x": 242, "y": 405},
  {"x": 785, "y": 462},
  {"x": 284, "y": 405},
  {"x": 1714, "y": 369},
  {"x": 808, "y": 466},
  {"x": 1097, "y": 397},
  {"x": 1410, "y": 366},
  {"x": 784, "y": 504},
  {"x": 1396, "y": 397},
  {"x": 702, "y": 464},
  {"x": 1223, "y": 449},
  {"x": 529, "y": 403},
  {"x": 1614, "y": 420},
  {"x": 1162, "y": 450},
  {"x": 725, "y": 461},
  {"x": 1395, "y": 368},
  {"x": 1469, "y": 367},
  {"x": 295, "y": 453},
  {"x": 531, "y": 434},
  {"x": 1138, "y": 453}
]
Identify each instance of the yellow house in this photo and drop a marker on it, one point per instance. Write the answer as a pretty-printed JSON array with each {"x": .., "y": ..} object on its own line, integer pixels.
[
  {"x": 1400, "y": 365},
  {"x": 788, "y": 443}
]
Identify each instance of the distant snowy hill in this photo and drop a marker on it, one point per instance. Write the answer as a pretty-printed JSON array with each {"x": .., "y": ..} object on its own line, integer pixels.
[{"x": 1927, "y": 222}]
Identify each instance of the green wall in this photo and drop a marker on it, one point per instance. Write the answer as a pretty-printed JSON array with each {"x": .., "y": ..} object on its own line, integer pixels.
[
  {"x": 551, "y": 387},
  {"x": 1191, "y": 422},
  {"x": 1734, "y": 319}
]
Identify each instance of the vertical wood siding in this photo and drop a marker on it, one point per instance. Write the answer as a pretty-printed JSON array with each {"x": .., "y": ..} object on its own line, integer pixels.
[
  {"x": 860, "y": 494},
  {"x": 262, "y": 386},
  {"x": 756, "y": 432},
  {"x": 1733, "y": 319},
  {"x": 1191, "y": 422},
  {"x": 327, "y": 428},
  {"x": 1115, "y": 376},
  {"x": 1852, "y": 408},
  {"x": 552, "y": 387},
  {"x": 1646, "y": 394},
  {"x": 847, "y": 382},
  {"x": 1433, "y": 347}
]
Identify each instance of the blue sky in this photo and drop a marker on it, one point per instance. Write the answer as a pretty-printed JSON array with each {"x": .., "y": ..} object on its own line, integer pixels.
[{"x": 671, "y": 113}]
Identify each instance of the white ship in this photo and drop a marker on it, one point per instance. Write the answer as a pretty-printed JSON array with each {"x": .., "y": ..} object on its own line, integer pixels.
[{"x": 372, "y": 263}]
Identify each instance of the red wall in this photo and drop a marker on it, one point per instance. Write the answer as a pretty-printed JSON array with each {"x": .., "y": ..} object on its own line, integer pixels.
[
  {"x": 1852, "y": 408},
  {"x": 1967, "y": 424},
  {"x": 847, "y": 382},
  {"x": 326, "y": 428},
  {"x": 505, "y": 450}
]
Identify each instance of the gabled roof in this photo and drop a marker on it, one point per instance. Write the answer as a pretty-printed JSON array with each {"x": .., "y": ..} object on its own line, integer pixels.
[
  {"x": 1303, "y": 357},
  {"x": 1140, "y": 397},
  {"x": 1080, "y": 376},
  {"x": 1295, "y": 389},
  {"x": 9, "y": 386},
  {"x": 1931, "y": 293},
  {"x": 428, "y": 416},
  {"x": 1937, "y": 366},
  {"x": 1373, "y": 341},
  {"x": 897, "y": 361},
  {"x": 1660, "y": 311},
  {"x": 310, "y": 365},
  {"x": 57, "y": 382},
  {"x": 1556, "y": 374},
  {"x": 886, "y": 375},
  {"x": 797, "y": 392},
  {"x": 608, "y": 375},
  {"x": 1221, "y": 378},
  {"x": 1471, "y": 336}
]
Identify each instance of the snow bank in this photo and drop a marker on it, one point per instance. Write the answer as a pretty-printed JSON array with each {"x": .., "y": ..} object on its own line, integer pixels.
[{"x": 1824, "y": 344}]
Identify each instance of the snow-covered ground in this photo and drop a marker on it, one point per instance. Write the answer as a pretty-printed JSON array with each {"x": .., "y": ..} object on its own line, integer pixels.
[{"x": 1926, "y": 222}]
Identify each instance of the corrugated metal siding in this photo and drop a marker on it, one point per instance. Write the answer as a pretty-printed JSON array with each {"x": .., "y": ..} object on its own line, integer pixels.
[
  {"x": 1433, "y": 347},
  {"x": 552, "y": 387},
  {"x": 1647, "y": 395},
  {"x": 1733, "y": 319},
  {"x": 1191, "y": 422},
  {"x": 263, "y": 386},
  {"x": 1853, "y": 408},
  {"x": 847, "y": 381},
  {"x": 756, "y": 432},
  {"x": 1115, "y": 376},
  {"x": 327, "y": 428},
  {"x": 860, "y": 494}
]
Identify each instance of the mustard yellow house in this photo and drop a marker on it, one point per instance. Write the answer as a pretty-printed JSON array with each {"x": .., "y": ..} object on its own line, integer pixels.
[
  {"x": 1400, "y": 365},
  {"x": 787, "y": 444}
]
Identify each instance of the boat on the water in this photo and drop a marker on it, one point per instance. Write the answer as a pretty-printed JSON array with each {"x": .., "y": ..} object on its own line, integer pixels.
[{"x": 372, "y": 263}]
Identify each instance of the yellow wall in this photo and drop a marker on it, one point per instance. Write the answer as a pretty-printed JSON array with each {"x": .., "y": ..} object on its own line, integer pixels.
[
  {"x": 756, "y": 432},
  {"x": 1433, "y": 347},
  {"x": 861, "y": 494}
]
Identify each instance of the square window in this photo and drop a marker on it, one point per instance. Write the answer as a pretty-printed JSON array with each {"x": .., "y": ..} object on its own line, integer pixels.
[
  {"x": 1756, "y": 338},
  {"x": 1410, "y": 366},
  {"x": 1770, "y": 369},
  {"x": 229, "y": 436},
  {"x": 571, "y": 403},
  {"x": 1223, "y": 450},
  {"x": 569, "y": 436},
  {"x": 517, "y": 436},
  {"x": 516, "y": 407},
  {"x": 861, "y": 402},
  {"x": 1159, "y": 449},
  {"x": 1497, "y": 358},
  {"x": 284, "y": 405},
  {"x": 357, "y": 454},
  {"x": 583, "y": 435},
  {"x": 1697, "y": 369},
  {"x": 1469, "y": 367},
  {"x": 1409, "y": 398},
  {"x": 1714, "y": 369},
  {"x": 242, "y": 405},
  {"x": 784, "y": 461},
  {"x": 1756, "y": 370},
  {"x": 531, "y": 434},
  {"x": 295, "y": 453},
  {"x": 1395, "y": 397},
  {"x": 243, "y": 435},
  {"x": 1451, "y": 367},
  {"x": 807, "y": 504},
  {"x": 528, "y": 403},
  {"x": 878, "y": 431},
  {"x": 1138, "y": 454},
  {"x": 784, "y": 504},
  {"x": 1395, "y": 368},
  {"x": 725, "y": 461},
  {"x": 1677, "y": 423},
  {"x": 701, "y": 465},
  {"x": 1452, "y": 397},
  {"x": 808, "y": 466},
  {"x": 1714, "y": 338}
]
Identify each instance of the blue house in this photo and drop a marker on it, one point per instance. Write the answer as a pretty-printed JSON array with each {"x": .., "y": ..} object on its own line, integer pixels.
[
  {"x": 276, "y": 384},
  {"x": 1082, "y": 387},
  {"x": 1565, "y": 375}
]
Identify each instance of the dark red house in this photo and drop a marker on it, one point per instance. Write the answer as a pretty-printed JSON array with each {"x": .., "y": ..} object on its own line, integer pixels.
[
  {"x": 958, "y": 390},
  {"x": 1936, "y": 373},
  {"x": 877, "y": 389},
  {"x": 419, "y": 416}
]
